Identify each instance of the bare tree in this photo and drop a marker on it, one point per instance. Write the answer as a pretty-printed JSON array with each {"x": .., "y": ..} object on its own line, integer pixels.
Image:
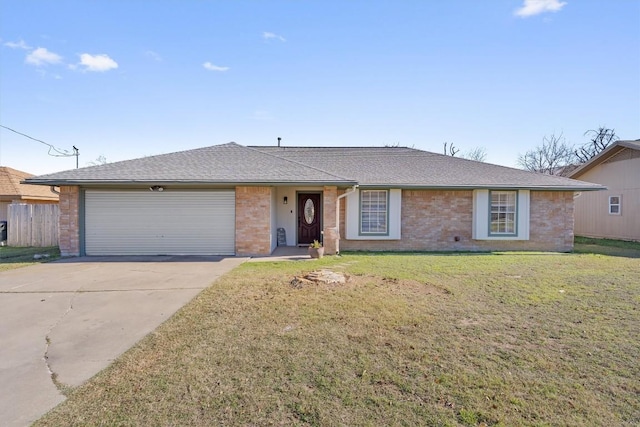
[
  {"x": 452, "y": 150},
  {"x": 554, "y": 157},
  {"x": 600, "y": 139},
  {"x": 100, "y": 160},
  {"x": 479, "y": 154}
]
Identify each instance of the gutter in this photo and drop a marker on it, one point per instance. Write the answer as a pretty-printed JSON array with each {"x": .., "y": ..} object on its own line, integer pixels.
[
  {"x": 353, "y": 190},
  {"x": 147, "y": 182}
]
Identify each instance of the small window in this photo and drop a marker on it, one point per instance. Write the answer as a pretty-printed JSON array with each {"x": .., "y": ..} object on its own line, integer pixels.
[
  {"x": 373, "y": 211},
  {"x": 309, "y": 211},
  {"x": 503, "y": 212},
  {"x": 614, "y": 205}
]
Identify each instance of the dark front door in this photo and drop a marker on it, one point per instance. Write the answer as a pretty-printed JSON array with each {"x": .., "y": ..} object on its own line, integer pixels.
[{"x": 308, "y": 217}]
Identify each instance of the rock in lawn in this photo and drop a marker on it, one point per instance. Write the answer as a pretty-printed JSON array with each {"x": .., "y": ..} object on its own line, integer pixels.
[{"x": 320, "y": 276}]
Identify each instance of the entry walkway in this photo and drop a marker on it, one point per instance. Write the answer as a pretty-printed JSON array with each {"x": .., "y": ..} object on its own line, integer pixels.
[{"x": 285, "y": 253}]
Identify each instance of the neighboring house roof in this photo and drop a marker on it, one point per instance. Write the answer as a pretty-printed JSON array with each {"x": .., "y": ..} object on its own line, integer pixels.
[
  {"x": 11, "y": 187},
  {"x": 366, "y": 166},
  {"x": 607, "y": 153}
]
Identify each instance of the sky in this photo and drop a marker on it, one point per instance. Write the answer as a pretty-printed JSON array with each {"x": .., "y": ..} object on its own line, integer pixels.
[{"x": 127, "y": 79}]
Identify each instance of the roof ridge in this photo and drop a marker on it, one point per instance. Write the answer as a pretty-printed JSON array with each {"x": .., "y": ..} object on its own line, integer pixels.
[
  {"x": 331, "y": 146},
  {"x": 298, "y": 163}
]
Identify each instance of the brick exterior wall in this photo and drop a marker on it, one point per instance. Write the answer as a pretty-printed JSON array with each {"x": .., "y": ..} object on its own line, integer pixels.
[
  {"x": 329, "y": 197},
  {"x": 69, "y": 225},
  {"x": 253, "y": 221},
  {"x": 432, "y": 219}
]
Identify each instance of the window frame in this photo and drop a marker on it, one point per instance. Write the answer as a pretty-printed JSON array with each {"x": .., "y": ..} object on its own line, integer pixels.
[
  {"x": 361, "y": 212},
  {"x": 617, "y": 205},
  {"x": 515, "y": 213}
]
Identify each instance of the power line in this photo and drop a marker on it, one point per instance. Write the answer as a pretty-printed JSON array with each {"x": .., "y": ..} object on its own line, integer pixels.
[{"x": 53, "y": 151}]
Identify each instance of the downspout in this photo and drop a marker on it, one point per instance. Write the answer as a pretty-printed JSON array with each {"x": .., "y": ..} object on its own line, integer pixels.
[
  {"x": 53, "y": 189},
  {"x": 353, "y": 190}
]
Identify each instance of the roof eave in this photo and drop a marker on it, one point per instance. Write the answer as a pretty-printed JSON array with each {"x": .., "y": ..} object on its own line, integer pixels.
[
  {"x": 594, "y": 187},
  {"x": 605, "y": 154},
  {"x": 87, "y": 183}
]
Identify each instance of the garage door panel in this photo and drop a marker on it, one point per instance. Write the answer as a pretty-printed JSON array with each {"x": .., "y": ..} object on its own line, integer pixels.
[{"x": 159, "y": 223}]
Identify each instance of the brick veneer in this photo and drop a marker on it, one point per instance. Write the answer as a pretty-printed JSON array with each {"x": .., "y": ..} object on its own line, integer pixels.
[
  {"x": 253, "y": 221},
  {"x": 329, "y": 197},
  {"x": 69, "y": 225},
  {"x": 432, "y": 219}
]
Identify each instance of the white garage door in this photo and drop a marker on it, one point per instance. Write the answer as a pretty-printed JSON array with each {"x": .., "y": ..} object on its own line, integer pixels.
[{"x": 159, "y": 223}]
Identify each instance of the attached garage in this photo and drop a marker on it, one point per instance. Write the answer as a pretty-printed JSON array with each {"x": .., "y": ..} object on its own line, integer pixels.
[{"x": 170, "y": 222}]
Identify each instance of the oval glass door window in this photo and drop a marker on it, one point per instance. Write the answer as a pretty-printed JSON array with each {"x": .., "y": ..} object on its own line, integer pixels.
[{"x": 309, "y": 211}]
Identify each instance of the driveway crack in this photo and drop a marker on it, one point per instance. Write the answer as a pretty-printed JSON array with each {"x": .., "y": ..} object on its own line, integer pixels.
[{"x": 63, "y": 388}]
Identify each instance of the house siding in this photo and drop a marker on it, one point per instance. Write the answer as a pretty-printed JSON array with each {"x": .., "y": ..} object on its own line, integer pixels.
[
  {"x": 4, "y": 205},
  {"x": 253, "y": 221},
  {"x": 441, "y": 220},
  {"x": 69, "y": 225},
  {"x": 621, "y": 175}
]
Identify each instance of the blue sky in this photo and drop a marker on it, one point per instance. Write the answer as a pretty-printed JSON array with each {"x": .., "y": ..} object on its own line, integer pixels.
[{"x": 127, "y": 79}]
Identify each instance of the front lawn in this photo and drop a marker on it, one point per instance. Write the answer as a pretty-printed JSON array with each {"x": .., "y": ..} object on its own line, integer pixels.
[
  {"x": 607, "y": 247},
  {"x": 12, "y": 257},
  {"x": 453, "y": 340}
]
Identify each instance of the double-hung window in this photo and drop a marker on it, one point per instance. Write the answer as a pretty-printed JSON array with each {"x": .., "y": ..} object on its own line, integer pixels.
[
  {"x": 374, "y": 211},
  {"x": 614, "y": 205},
  {"x": 503, "y": 214}
]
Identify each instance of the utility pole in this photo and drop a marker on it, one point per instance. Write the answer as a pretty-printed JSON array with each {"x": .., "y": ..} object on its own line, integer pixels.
[{"x": 76, "y": 153}]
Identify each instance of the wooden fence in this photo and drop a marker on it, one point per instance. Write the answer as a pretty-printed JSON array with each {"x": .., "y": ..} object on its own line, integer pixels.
[{"x": 32, "y": 225}]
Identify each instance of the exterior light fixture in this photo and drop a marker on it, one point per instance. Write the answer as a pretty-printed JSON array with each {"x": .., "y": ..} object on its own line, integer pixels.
[{"x": 286, "y": 200}]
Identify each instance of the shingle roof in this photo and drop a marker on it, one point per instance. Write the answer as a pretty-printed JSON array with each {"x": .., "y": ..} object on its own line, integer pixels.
[
  {"x": 409, "y": 167},
  {"x": 11, "y": 187},
  {"x": 226, "y": 163},
  {"x": 611, "y": 150},
  {"x": 367, "y": 166}
]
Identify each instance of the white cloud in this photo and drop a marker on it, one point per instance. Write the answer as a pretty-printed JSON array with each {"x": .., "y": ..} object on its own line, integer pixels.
[
  {"x": 536, "y": 7},
  {"x": 98, "y": 63},
  {"x": 153, "y": 55},
  {"x": 41, "y": 56},
  {"x": 18, "y": 45},
  {"x": 267, "y": 36},
  {"x": 209, "y": 66}
]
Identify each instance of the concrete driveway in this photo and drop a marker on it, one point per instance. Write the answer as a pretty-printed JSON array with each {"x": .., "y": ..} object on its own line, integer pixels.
[{"x": 64, "y": 321}]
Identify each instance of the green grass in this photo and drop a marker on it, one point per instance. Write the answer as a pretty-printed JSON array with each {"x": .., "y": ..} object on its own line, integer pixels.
[
  {"x": 12, "y": 257},
  {"x": 446, "y": 340},
  {"x": 607, "y": 247}
]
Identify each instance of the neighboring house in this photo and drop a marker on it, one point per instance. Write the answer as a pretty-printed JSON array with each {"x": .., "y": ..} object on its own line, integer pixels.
[
  {"x": 13, "y": 191},
  {"x": 615, "y": 213},
  {"x": 231, "y": 199}
]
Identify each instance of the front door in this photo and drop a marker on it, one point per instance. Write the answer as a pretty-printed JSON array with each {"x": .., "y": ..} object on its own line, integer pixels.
[{"x": 308, "y": 217}]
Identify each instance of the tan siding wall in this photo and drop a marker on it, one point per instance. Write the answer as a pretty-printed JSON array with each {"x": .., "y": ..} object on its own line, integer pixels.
[
  {"x": 69, "y": 227},
  {"x": 432, "y": 219},
  {"x": 4, "y": 203},
  {"x": 621, "y": 175},
  {"x": 4, "y": 211},
  {"x": 253, "y": 220}
]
